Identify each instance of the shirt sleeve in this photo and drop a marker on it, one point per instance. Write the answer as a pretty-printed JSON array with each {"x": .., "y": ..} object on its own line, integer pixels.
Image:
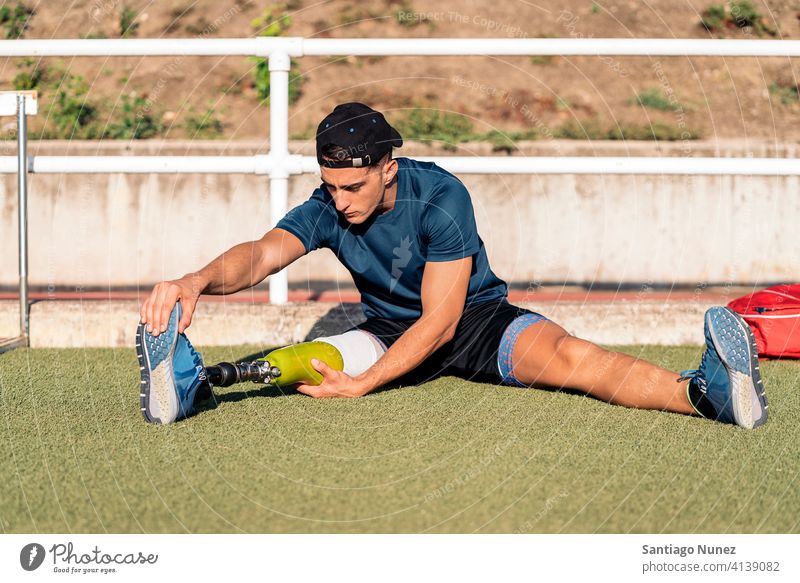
[
  {"x": 312, "y": 222},
  {"x": 448, "y": 223}
]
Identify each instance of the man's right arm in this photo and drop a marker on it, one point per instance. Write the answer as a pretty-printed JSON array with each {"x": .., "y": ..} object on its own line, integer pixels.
[{"x": 241, "y": 267}]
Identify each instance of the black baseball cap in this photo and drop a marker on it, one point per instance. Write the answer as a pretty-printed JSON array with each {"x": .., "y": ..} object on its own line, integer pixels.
[{"x": 363, "y": 134}]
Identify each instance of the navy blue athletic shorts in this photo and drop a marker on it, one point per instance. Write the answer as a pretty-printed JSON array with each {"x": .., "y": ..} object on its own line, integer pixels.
[{"x": 480, "y": 350}]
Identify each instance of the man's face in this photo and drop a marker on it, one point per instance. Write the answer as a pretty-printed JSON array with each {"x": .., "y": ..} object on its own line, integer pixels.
[{"x": 357, "y": 192}]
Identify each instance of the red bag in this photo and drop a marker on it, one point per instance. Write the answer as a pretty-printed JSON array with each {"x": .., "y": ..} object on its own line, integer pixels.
[{"x": 774, "y": 316}]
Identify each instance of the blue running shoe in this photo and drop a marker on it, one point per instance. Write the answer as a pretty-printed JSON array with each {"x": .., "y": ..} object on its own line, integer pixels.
[
  {"x": 172, "y": 373},
  {"x": 727, "y": 386}
]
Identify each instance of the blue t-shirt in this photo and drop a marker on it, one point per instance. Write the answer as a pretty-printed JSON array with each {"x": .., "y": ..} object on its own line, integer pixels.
[{"x": 432, "y": 220}]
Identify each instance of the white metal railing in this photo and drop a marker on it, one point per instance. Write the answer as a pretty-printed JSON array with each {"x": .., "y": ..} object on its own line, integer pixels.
[
  {"x": 300, "y": 47},
  {"x": 263, "y": 165},
  {"x": 280, "y": 164}
]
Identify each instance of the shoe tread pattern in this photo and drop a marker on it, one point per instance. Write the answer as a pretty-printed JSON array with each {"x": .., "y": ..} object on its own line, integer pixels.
[
  {"x": 736, "y": 345},
  {"x": 155, "y": 401},
  {"x": 159, "y": 347}
]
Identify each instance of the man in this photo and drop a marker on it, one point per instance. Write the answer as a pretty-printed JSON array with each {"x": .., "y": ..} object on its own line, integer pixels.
[{"x": 406, "y": 232}]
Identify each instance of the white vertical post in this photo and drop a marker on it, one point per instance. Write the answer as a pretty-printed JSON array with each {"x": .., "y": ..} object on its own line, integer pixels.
[
  {"x": 279, "y": 65},
  {"x": 22, "y": 188},
  {"x": 22, "y": 104}
]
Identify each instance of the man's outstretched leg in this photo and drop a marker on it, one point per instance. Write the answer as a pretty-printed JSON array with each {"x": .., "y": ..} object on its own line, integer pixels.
[
  {"x": 726, "y": 387},
  {"x": 547, "y": 355},
  {"x": 173, "y": 378}
]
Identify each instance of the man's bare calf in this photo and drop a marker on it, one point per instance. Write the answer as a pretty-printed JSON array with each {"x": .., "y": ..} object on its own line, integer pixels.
[{"x": 547, "y": 355}]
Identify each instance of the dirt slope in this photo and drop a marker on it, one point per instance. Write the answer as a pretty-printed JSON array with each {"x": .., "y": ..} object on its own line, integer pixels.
[{"x": 712, "y": 97}]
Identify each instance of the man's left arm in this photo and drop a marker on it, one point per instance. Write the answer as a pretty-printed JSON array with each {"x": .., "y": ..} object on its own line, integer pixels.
[{"x": 444, "y": 291}]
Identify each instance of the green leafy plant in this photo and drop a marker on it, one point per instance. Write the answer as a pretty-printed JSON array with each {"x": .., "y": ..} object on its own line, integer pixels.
[
  {"x": 656, "y": 131},
  {"x": 438, "y": 126},
  {"x": 654, "y": 99},
  {"x": 15, "y": 20},
  {"x": 274, "y": 21},
  {"x": 744, "y": 13},
  {"x": 261, "y": 82},
  {"x": 787, "y": 91},
  {"x": 70, "y": 111},
  {"x": 133, "y": 119},
  {"x": 127, "y": 22},
  {"x": 501, "y": 141},
  {"x": 736, "y": 14},
  {"x": 205, "y": 125},
  {"x": 32, "y": 76},
  {"x": 66, "y": 110},
  {"x": 714, "y": 17},
  {"x": 580, "y": 130},
  {"x": 594, "y": 130},
  {"x": 407, "y": 17},
  {"x": 507, "y": 141}
]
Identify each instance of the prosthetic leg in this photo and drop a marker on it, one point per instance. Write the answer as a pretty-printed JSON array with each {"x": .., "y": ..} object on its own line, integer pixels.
[
  {"x": 282, "y": 367},
  {"x": 352, "y": 352}
]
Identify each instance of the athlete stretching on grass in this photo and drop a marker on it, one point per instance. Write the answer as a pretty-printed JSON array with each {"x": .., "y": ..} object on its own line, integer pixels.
[{"x": 406, "y": 232}]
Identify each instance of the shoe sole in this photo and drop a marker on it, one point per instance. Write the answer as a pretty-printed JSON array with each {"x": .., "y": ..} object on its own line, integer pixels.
[
  {"x": 750, "y": 405},
  {"x": 157, "y": 394}
]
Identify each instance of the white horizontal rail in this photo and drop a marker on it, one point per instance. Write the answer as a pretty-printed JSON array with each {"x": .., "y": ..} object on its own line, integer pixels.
[
  {"x": 551, "y": 46},
  {"x": 621, "y": 165},
  {"x": 298, "y": 47},
  {"x": 604, "y": 165},
  {"x": 262, "y": 164},
  {"x": 140, "y": 164},
  {"x": 134, "y": 47}
]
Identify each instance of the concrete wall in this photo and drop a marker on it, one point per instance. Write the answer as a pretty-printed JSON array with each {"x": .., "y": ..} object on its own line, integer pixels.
[
  {"x": 128, "y": 230},
  {"x": 74, "y": 324}
]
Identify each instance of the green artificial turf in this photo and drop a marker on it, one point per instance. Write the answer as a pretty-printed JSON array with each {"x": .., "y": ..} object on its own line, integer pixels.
[{"x": 447, "y": 456}]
